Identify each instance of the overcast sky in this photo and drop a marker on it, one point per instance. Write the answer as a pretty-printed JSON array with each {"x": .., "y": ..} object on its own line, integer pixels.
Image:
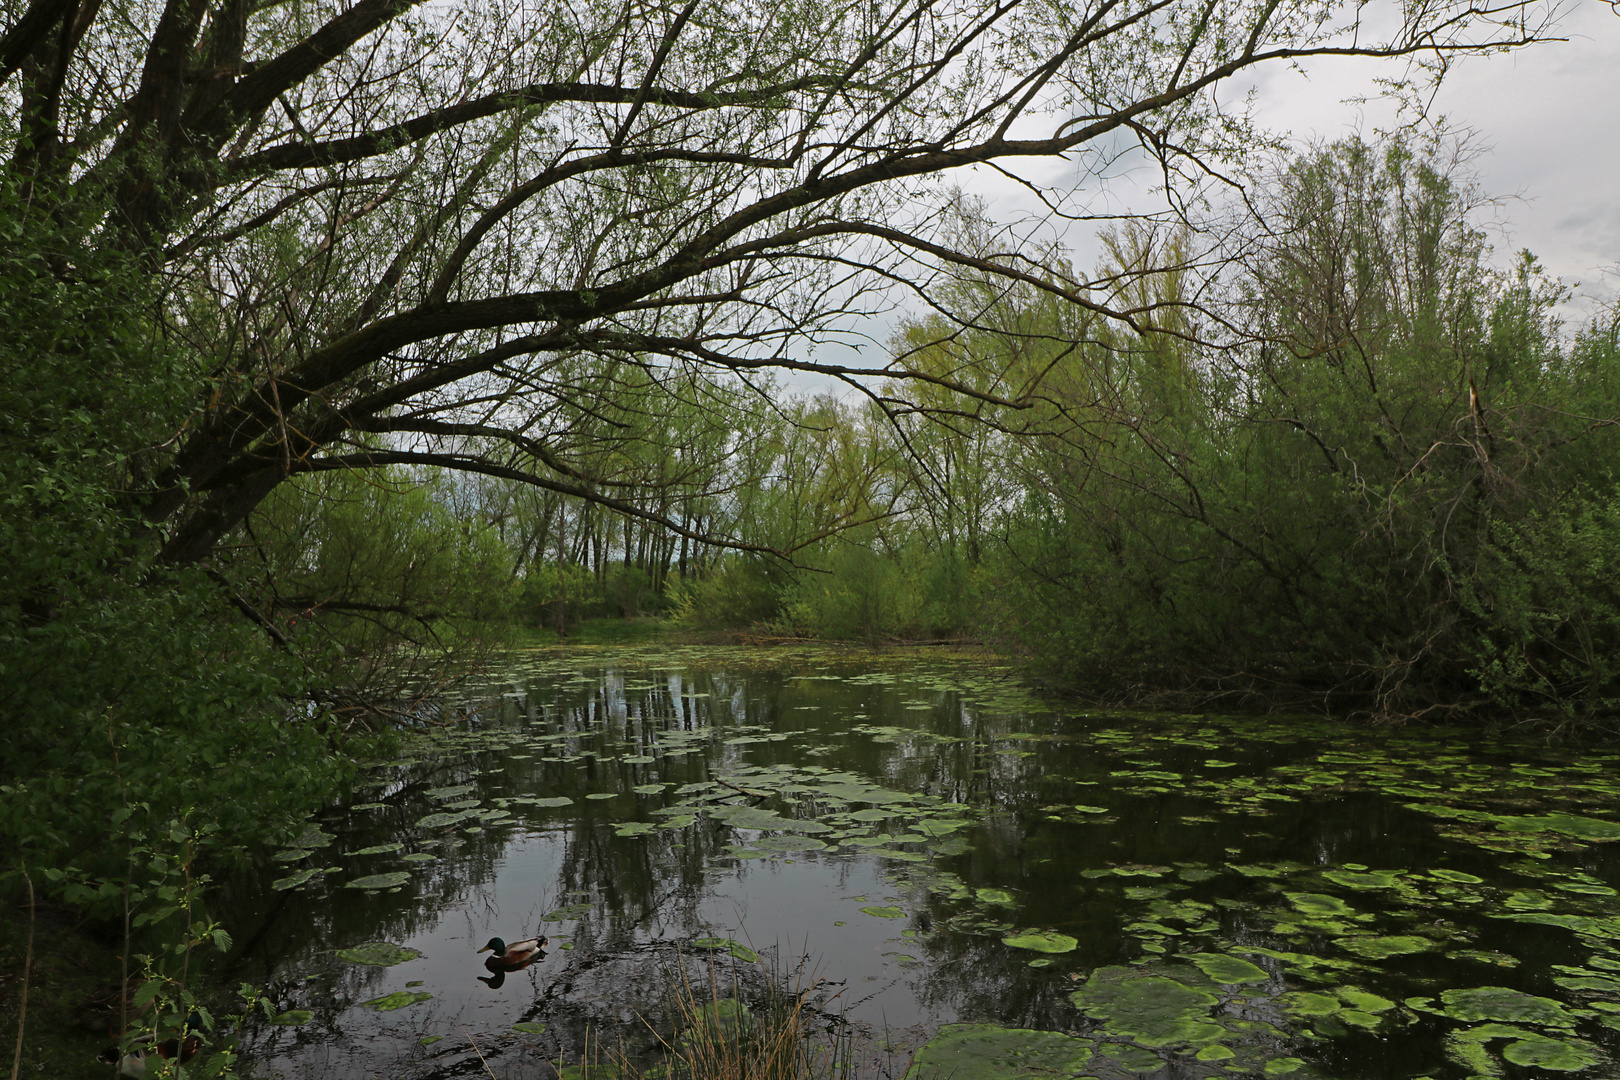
[
  {"x": 1546, "y": 121},
  {"x": 1550, "y": 118}
]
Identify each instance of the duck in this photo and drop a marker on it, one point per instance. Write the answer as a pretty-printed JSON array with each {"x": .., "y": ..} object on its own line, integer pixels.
[
  {"x": 513, "y": 956},
  {"x": 133, "y": 1064}
]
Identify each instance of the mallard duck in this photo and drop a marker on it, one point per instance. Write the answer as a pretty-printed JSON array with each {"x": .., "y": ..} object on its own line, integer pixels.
[{"x": 518, "y": 953}]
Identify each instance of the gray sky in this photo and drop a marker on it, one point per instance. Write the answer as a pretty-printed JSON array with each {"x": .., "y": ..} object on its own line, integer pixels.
[
  {"x": 1546, "y": 122},
  {"x": 1548, "y": 118}
]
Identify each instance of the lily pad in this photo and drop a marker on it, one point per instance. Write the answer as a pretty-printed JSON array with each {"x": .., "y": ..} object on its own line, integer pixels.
[
  {"x": 1153, "y": 1010},
  {"x": 295, "y": 880},
  {"x": 1228, "y": 970},
  {"x": 1378, "y": 948},
  {"x": 379, "y": 881},
  {"x": 399, "y": 999},
  {"x": 530, "y": 1027},
  {"x": 1320, "y": 905},
  {"x": 988, "y": 1052},
  {"x": 439, "y": 820},
  {"x": 1584, "y": 828},
  {"x": 790, "y": 843},
  {"x": 1046, "y": 941},
  {"x": 882, "y": 912},
  {"x": 1504, "y": 1005},
  {"x": 1369, "y": 879},
  {"x": 293, "y": 1017},
  {"x": 1544, "y": 1052},
  {"x": 635, "y": 828},
  {"x": 378, "y": 954},
  {"x": 380, "y": 849}
]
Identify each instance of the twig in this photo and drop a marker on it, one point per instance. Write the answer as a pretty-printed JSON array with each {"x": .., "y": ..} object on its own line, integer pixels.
[
  {"x": 477, "y": 1051},
  {"x": 28, "y": 963}
]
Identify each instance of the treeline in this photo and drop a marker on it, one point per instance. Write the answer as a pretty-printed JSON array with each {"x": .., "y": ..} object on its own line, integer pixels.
[{"x": 1360, "y": 468}]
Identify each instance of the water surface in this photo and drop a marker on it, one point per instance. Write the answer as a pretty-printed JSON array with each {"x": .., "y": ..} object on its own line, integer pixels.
[{"x": 918, "y": 841}]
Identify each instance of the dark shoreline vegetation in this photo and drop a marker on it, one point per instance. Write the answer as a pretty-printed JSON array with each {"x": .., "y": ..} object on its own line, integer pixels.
[{"x": 345, "y": 347}]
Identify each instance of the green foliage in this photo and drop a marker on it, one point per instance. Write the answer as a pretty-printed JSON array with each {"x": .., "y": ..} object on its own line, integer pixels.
[
  {"x": 366, "y": 560},
  {"x": 1399, "y": 501},
  {"x": 130, "y": 691},
  {"x": 867, "y": 593},
  {"x": 739, "y": 591}
]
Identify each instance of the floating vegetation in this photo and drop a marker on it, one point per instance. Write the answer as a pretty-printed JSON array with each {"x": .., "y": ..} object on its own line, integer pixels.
[
  {"x": 399, "y": 999},
  {"x": 378, "y": 954},
  {"x": 292, "y": 1017},
  {"x": 379, "y": 881},
  {"x": 988, "y": 1052},
  {"x": 1046, "y": 941},
  {"x": 295, "y": 880}
]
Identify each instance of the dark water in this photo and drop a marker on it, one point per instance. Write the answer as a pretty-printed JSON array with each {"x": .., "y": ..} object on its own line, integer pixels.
[{"x": 1228, "y": 896}]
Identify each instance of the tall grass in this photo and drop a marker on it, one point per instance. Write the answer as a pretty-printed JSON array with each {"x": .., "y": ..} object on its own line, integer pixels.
[{"x": 717, "y": 1036}]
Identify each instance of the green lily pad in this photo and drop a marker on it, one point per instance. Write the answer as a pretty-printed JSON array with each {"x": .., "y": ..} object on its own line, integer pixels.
[
  {"x": 1046, "y": 941},
  {"x": 379, "y": 881},
  {"x": 988, "y": 1052},
  {"x": 1544, "y": 1052},
  {"x": 294, "y": 880},
  {"x": 1457, "y": 876},
  {"x": 378, "y": 954},
  {"x": 1583, "y": 828},
  {"x": 790, "y": 843},
  {"x": 380, "y": 849},
  {"x": 530, "y": 1027},
  {"x": 1307, "y": 1003},
  {"x": 884, "y": 912},
  {"x": 1378, "y": 948},
  {"x": 1504, "y": 1005},
  {"x": 552, "y": 801},
  {"x": 1320, "y": 905},
  {"x": 418, "y": 857},
  {"x": 399, "y": 999},
  {"x": 1228, "y": 970},
  {"x": 293, "y": 1017},
  {"x": 1370, "y": 879},
  {"x": 635, "y": 828},
  {"x": 1153, "y": 1010},
  {"x": 440, "y": 820},
  {"x": 292, "y": 855},
  {"x": 598, "y": 796}
]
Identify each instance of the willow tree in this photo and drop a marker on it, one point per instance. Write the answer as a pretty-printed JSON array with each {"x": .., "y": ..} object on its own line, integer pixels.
[{"x": 388, "y": 226}]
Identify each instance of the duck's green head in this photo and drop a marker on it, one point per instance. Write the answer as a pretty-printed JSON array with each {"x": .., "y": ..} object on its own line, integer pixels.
[{"x": 496, "y": 944}]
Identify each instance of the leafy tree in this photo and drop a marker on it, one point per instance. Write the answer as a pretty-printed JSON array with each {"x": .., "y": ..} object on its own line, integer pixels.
[
  {"x": 1367, "y": 502},
  {"x": 389, "y": 228}
]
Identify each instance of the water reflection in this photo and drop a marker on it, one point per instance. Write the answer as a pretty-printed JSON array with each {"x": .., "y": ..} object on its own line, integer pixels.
[{"x": 876, "y": 828}]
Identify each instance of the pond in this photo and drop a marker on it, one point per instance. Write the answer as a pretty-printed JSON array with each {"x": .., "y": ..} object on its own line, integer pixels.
[{"x": 931, "y": 855}]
